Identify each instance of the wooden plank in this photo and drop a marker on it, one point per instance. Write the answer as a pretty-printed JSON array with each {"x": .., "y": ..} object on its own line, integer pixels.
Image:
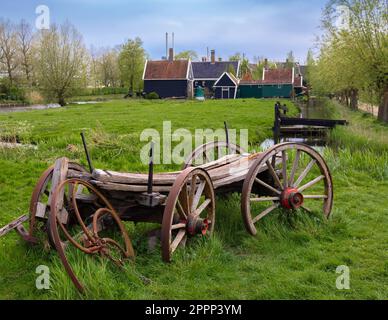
[
  {"x": 59, "y": 175},
  {"x": 13, "y": 225},
  {"x": 128, "y": 187},
  {"x": 41, "y": 210},
  {"x": 133, "y": 178},
  {"x": 284, "y": 121}
]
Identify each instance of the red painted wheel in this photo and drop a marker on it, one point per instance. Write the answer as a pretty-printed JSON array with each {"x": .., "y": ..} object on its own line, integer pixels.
[
  {"x": 297, "y": 177},
  {"x": 189, "y": 211}
]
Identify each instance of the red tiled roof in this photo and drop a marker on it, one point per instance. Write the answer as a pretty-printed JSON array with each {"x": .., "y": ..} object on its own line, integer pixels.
[
  {"x": 278, "y": 76},
  {"x": 168, "y": 70}
]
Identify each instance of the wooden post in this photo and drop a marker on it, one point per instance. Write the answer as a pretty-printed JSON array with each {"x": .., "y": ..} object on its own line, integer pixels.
[{"x": 276, "y": 128}]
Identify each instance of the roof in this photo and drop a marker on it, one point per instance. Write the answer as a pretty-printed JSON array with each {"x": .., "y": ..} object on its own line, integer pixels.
[
  {"x": 208, "y": 70},
  {"x": 278, "y": 76},
  {"x": 166, "y": 70},
  {"x": 231, "y": 77}
]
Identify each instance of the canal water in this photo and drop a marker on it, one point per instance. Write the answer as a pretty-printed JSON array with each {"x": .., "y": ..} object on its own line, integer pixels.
[
  {"x": 313, "y": 111},
  {"x": 28, "y": 108}
]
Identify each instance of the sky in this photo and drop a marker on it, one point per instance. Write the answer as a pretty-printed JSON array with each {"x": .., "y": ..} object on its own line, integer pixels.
[{"x": 255, "y": 27}]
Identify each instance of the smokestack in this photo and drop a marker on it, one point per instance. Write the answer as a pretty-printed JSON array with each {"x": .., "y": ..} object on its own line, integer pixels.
[
  {"x": 171, "y": 55},
  {"x": 166, "y": 45},
  {"x": 266, "y": 63},
  {"x": 213, "y": 56},
  {"x": 173, "y": 41}
]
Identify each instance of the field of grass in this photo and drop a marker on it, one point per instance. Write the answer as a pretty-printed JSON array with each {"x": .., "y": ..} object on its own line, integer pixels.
[{"x": 292, "y": 257}]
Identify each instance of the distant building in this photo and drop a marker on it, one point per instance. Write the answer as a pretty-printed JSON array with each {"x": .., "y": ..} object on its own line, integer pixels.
[
  {"x": 207, "y": 73},
  {"x": 226, "y": 86},
  {"x": 275, "y": 83},
  {"x": 169, "y": 78}
]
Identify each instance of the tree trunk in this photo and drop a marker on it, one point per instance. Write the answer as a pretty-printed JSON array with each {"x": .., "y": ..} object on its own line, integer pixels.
[
  {"x": 383, "y": 108},
  {"x": 61, "y": 100},
  {"x": 354, "y": 99}
]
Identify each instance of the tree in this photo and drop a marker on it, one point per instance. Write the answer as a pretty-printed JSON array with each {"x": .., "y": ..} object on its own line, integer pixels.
[
  {"x": 310, "y": 64},
  {"x": 24, "y": 40},
  {"x": 290, "y": 61},
  {"x": 108, "y": 68},
  {"x": 8, "y": 49},
  {"x": 60, "y": 61},
  {"x": 187, "y": 55},
  {"x": 366, "y": 38},
  {"x": 236, "y": 57},
  {"x": 131, "y": 63}
]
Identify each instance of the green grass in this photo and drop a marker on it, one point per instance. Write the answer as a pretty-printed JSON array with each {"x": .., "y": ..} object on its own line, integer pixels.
[{"x": 292, "y": 257}]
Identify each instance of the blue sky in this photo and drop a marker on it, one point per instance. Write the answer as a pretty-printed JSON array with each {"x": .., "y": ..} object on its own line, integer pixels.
[{"x": 254, "y": 27}]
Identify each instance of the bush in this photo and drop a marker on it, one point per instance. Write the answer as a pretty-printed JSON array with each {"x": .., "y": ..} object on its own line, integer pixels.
[
  {"x": 152, "y": 96},
  {"x": 14, "y": 93},
  {"x": 100, "y": 91}
]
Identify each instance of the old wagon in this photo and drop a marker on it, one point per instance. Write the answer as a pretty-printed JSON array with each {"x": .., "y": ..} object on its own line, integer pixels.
[{"x": 86, "y": 208}]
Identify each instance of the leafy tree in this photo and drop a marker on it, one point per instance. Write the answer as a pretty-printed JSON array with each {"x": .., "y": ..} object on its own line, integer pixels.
[
  {"x": 364, "y": 39},
  {"x": 131, "y": 63},
  {"x": 8, "y": 49},
  {"x": 187, "y": 55},
  {"x": 60, "y": 61}
]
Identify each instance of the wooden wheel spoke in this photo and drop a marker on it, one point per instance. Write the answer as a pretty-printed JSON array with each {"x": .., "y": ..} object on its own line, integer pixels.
[
  {"x": 294, "y": 167},
  {"x": 193, "y": 185},
  {"x": 284, "y": 169},
  {"x": 180, "y": 210},
  {"x": 197, "y": 196},
  {"x": 202, "y": 207},
  {"x": 265, "y": 213},
  {"x": 274, "y": 174},
  {"x": 265, "y": 199},
  {"x": 305, "y": 173},
  {"x": 315, "y": 197},
  {"x": 311, "y": 183},
  {"x": 180, "y": 236},
  {"x": 265, "y": 185},
  {"x": 178, "y": 226}
]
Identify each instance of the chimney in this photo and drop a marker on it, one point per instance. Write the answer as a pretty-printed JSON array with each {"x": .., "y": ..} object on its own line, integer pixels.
[
  {"x": 220, "y": 59},
  {"x": 204, "y": 59},
  {"x": 265, "y": 63},
  {"x": 171, "y": 54},
  {"x": 213, "y": 56}
]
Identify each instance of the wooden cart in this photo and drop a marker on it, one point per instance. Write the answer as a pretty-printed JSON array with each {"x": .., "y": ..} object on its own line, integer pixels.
[{"x": 86, "y": 209}]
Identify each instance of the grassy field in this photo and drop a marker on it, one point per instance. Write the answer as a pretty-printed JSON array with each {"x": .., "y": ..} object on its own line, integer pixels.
[{"x": 291, "y": 257}]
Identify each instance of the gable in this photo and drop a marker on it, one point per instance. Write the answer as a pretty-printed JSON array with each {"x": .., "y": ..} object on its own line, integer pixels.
[{"x": 226, "y": 80}]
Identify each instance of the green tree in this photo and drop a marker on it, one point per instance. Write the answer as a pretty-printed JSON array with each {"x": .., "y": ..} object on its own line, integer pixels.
[
  {"x": 364, "y": 36},
  {"x": 60, "y": 61},
  {"x": 187, "y": 55},
  {"x": 131, "y": 63}
]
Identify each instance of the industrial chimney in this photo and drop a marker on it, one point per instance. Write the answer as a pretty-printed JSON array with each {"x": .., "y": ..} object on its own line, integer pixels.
[
  {"x": 213, "y": 56},
  {"x": 171, "y": 54}
]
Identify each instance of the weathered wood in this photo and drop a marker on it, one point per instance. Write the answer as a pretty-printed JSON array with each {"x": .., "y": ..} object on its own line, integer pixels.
[
  {"x": 40, "y": 210},
  {"x": 59, "y": 175},
  {"x": 13, "y": 225}
]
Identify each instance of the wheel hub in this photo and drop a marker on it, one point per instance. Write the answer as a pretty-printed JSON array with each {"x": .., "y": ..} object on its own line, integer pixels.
[
  {"x": 291, "y": 199},
  {"x": 196, "y": 225}
]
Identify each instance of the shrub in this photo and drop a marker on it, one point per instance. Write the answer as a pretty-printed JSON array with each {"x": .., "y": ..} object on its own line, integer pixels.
[{"x": 152, "y": 96}]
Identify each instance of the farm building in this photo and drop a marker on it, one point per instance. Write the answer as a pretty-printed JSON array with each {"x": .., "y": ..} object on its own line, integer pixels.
[
  {"x": 226, "y": 86},
  {"x": 207, "y": 73},
  {"x": 276, "y": 83},
  {"x": 169, "y": 78}
]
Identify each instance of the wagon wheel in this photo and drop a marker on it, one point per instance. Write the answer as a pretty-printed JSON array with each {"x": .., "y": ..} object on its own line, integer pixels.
[
  {"x": 40, "y": 200},
  {"x": 82, "y": 217},
  {"x": 297, "y": 178},
  {"x": 189, "y": 211},
  {"x": 210, "y": 152}
]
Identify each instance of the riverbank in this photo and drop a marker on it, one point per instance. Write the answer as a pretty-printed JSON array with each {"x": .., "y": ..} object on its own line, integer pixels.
[{"x": 292, "y": 257}]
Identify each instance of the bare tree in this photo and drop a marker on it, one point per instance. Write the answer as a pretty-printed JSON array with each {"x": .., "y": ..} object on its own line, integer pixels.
[
  {"x": 60, "y": 61},
  {"x": 25, "y": 37},
  {"x": 8, "y": 49}
]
